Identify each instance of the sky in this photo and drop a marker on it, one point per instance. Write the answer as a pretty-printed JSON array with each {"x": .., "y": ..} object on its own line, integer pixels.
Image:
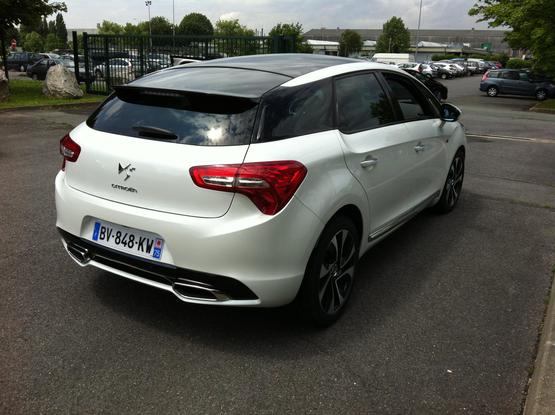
[{"x": 264, "y": 14}]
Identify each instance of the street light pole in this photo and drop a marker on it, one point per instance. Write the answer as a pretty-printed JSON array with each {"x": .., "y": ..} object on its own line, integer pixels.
[
  {"x": 173, "y": 21},
  {"x": 418, "y": 32},
  {"x": 148, "y": 3}
]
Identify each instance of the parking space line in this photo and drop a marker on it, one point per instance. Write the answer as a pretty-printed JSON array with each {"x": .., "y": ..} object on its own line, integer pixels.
[{"x": 512, "y": 138}]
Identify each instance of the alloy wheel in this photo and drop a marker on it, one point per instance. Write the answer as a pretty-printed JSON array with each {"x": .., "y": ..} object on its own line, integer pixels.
[
  {"x": 492, "y": 91},
  {"x": 454, "y": 182},
  {"x": 337, "y": 272},
  {"x": 541, "y": 95}
]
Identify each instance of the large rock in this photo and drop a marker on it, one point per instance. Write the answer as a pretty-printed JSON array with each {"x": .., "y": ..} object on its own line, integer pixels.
[
  {"x": 4, "y": 88},
  {"x": 61, "y": 83}
]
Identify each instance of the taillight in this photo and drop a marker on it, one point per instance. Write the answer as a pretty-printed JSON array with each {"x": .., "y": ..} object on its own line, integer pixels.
[
  {"x": 485, "y": 76},
  {"x": 69, "y": 149},
  {"x": 269, "y": 185}
]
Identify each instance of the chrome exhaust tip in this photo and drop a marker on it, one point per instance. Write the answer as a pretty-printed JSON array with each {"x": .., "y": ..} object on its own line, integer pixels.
[
  {"x": 190, "y": 290},
  {"x": 81, "y": 255}
]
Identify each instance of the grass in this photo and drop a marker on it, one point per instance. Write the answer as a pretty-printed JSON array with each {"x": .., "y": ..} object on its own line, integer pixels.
[
  {"x": 28, "y": 93},
  {"x": 547, "y": 105}
]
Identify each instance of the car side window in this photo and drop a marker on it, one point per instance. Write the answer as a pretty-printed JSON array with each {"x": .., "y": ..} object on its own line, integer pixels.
[
  {"x": 523, "y": 76},
  {"x": 510, "y": 75},
  {"x": 413, "y": 105},
  {"x": 362, "y": 104}
]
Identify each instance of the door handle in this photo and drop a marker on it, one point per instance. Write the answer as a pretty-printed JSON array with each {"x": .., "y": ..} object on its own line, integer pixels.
[
  {"x": 419, "y": 147},
  {"x": 369, "y": 162}
]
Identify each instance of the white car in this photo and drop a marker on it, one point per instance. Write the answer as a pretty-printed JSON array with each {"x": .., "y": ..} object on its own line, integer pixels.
[
  {"x": 256, "y": 180},
  {"x": 115, "y": 68}
]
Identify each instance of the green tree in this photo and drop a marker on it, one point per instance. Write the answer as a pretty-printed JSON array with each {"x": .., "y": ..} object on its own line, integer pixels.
[
  {"x": 52, "y": 42},
  {"x": 195, "y": 24},
  {"x": 109, "y": 28},
  {"x": 33, "y": 42},
  {"x": 532, "y": 24},
  {"x": 131, "y": 29},
  {"x": 160, "y": 26},
  {"x": 291, "y": 29},
  {"x": 61, "y": 30},
  {"x": 43, "y": 27},
  {"x": 232, "y": 28},
  {"x": 350, "y": 43},
  {"x": 395, "y": 37},
  {"x": 51, "y": 28}
]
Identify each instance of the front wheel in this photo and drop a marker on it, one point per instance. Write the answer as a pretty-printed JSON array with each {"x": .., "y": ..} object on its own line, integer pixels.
[
  {"x": 329, "y": 277},
  {"x": 453, "y": 184},
  {"x": 443, "y": 76}
]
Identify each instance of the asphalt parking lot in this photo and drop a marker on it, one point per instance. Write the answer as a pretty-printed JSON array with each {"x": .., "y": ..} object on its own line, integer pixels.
[{"x": 445, "y": 316}]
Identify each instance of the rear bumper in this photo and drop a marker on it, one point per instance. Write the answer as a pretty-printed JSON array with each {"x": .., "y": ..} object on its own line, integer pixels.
[{"x": 244, "y": 258}]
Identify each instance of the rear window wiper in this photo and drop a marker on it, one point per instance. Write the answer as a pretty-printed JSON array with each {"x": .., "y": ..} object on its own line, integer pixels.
[{"x": 149, "y": 131}]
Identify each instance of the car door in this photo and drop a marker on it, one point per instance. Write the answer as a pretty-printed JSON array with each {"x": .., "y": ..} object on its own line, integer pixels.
[
  {"x": 428, "y": 135},
  {"x": 509, "y": 82},
  {"x": 376, "y": 146},
  {"x": 525, "y": 86}
]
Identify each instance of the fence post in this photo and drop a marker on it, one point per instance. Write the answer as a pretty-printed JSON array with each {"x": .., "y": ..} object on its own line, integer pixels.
[
  {"x": 76, "y": 56},
  {"x": 107, "y": 56},
  {"x": 88, "y": 76},
  {"x": 142, "y": 55},
  {"x": 292, "y": 44}
]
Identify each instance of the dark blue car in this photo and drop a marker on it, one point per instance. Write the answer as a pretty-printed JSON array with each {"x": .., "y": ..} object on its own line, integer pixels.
[{"x": 516, "y": 82}]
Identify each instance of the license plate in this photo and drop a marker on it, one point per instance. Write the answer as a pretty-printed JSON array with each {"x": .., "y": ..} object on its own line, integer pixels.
[{"x": 129, "y": 240}]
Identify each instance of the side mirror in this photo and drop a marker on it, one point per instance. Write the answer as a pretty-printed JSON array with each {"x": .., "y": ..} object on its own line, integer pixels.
[{"x": 450, "y": 113}]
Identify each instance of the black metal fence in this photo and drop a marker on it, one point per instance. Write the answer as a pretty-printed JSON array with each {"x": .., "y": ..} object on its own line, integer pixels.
[{"x": 110, "y": 60}]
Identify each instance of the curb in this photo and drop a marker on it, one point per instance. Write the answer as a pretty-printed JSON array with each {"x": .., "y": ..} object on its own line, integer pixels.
[
  {"x": 542, "y": 110},
  {"x": 68, "y": 105},
  {"x": 541, "y": 393}
]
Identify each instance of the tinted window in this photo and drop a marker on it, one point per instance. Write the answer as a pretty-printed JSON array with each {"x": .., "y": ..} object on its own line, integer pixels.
[
  {"x": 493, "y": 74},
  {"x": 510, "y": 75},
  {"x": 294, "y": 111},
  {"x": 412, "y": 103},
  {"x": 361, "y": 103},
  {"x": 197, "y": 119},
  {"x": 523, "y": 76}
]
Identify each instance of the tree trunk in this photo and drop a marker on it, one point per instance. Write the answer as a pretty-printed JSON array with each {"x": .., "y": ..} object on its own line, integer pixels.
[{"x": 4, "y": 58}]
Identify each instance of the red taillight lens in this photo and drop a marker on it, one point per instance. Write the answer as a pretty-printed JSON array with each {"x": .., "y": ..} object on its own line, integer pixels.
[
  {"x": 69, "y": 149},
  {"x": 485, "y": 76},
  {"x": 269, "y": 185}
]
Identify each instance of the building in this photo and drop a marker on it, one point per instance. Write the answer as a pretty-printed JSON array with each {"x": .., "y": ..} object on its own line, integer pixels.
[{"x": 490, "y": 40}]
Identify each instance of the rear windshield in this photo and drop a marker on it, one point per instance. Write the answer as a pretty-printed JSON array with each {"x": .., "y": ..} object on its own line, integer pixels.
[{"x": 186, "y": 118}]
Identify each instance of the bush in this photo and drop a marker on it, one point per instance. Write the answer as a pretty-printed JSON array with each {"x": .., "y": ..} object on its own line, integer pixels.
[
  {"x": 444, "y": 57},
  {"x": 515, "y": 63}
]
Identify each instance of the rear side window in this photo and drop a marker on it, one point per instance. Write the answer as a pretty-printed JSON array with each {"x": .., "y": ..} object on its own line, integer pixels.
[
  {"x": 493, "y": 74},
  {"x": 361, "y": 103},
  {"x": 413, "y": 105},
  {"x": 295, "y": 111},
  {"x": 178, "y": 117},
  {"x": 510, "y": 75}
]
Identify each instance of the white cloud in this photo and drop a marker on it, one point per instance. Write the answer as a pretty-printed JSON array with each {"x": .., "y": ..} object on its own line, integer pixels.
[{"x": 231, "y": 16}]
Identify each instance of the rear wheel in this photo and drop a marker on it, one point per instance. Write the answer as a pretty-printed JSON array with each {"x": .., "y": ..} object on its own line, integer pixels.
[
  {"x": 541, "y": 94},
  {"x": 443, "y": 76},
  {"x": 330, "y": 273},
  {"x": 453, "y": 184},
  {"x": 492, "y": 91},
  {"x": 22, "y": 68}
]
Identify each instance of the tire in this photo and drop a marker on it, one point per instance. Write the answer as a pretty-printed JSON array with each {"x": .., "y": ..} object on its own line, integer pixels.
[
  {"x": 492, "y": 91},
  {"x": 329, "y": 276},
  {"x": 541, "y": 94},
  {"x": 22, "y": 68},
  {"x": 453, "y": 184},
  {"x": 35, "y": 77},
  {"x": 443, "y": 76}
]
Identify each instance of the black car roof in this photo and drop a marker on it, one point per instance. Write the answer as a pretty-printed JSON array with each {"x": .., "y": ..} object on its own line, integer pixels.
[
  {"x": 288, "y": 64},
  {"x": 243, "y": 76}
]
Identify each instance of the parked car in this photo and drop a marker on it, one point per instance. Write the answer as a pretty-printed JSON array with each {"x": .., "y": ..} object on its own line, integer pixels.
[
  {"x": 49, "y": 55},
  {"x": 516, "y": 82},
  {"x": 420, "y": 67},
  {"x": 338, "y": 159},
  {"x": 185, "y": 61},
  {"x": 118, "y": 67},
  {"x": 445, "y": 70},
  {"x": 39, "y": 69},
  {"x": 21, "y": 60},
  {"x": 437, "y": 88}
]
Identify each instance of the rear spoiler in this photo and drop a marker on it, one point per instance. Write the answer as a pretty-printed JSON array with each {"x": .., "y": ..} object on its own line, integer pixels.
[{"x": 188, "y": 100}]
